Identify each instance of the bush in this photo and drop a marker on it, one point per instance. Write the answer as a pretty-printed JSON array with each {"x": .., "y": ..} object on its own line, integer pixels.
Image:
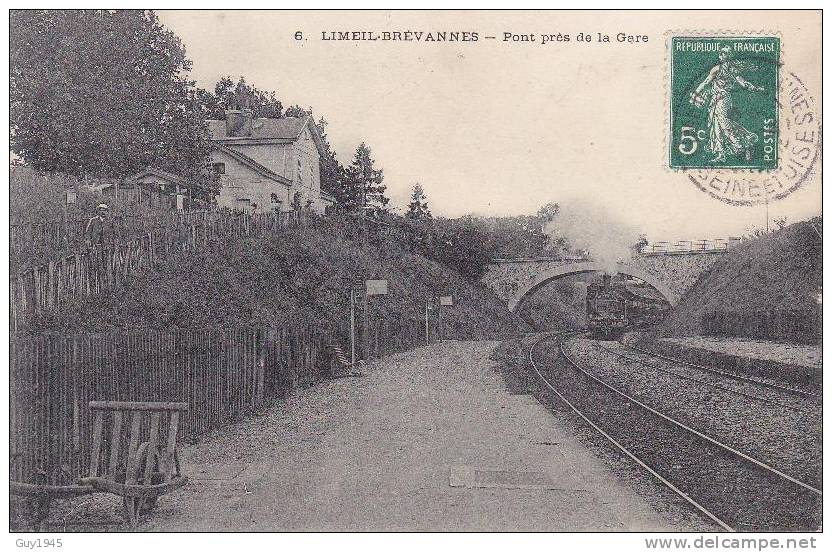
[{"x": 299, "y": 275}]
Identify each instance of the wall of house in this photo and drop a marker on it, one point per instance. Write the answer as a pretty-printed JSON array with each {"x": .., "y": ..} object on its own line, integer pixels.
[
  {"x": 152, "y": 184},
  {"x": 272, "y": 156},
  {"x": 298, "y": 161},
  {"x": 145, "y": 192},
  {"x": 244, "y": 188},
  {"x": 306, "y": 167}
]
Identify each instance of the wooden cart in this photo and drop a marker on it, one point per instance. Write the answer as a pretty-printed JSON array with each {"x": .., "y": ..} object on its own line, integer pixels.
[{"x": 120, "y": 462}]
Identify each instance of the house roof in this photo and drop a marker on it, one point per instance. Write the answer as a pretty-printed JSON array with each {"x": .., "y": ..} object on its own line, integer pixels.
[
  {"x": 253, "y": 165},
  {"x": 286, "y": 128},
  {"x": 151, "y": 171},
  {"x": 268, "y": 131}
]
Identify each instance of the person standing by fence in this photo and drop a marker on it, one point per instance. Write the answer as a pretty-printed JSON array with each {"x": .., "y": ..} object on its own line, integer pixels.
[
  {"x": 95, "y": 230},
  {"x": 96, "y": 233}
]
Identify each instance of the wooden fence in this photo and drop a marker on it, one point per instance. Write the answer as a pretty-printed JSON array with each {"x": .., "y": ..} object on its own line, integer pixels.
[
  {"x": 67, "y": 233},
  {"x": 90, "y": 271},
  {"x": 222, "y": 374}
]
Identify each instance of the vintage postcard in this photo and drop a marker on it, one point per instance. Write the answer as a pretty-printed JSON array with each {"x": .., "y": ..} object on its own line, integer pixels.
[{"x": 416, "y": 271}]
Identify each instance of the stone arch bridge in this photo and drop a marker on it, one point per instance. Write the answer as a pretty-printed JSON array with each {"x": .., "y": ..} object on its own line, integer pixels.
[{"x": 672, "y": 271}]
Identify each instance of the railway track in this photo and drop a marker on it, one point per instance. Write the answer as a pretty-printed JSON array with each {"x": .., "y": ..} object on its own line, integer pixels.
[
  {"x": 747, "y": 388},
  {"x": 733, "y": 489},
  {"x": 760, "y": 382}
]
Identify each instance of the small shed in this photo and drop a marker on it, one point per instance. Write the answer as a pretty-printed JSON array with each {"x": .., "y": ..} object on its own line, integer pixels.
[{"x": 151, "y": 187}]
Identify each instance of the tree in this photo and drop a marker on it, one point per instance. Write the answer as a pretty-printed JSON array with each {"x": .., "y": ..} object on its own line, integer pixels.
[
  {"x": 548, "y": 213},
  {"x": 463, "y": 245},
  {"x": 240, "y": 95},
  {"x": 362, "y": 185},
  {"x": 526, "y": 235},
  {"x": 332, "y": 172},
  {"x": 757, "y": 232},
  {"x": 418, "y": 208},
  {"x": 298, "y": 111},
  {"x": 641, "y": 243},
  {"x": 104, "y": 93}
]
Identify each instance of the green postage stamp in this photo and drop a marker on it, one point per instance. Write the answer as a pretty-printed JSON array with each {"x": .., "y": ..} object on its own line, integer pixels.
[{"x": 723, "y": 102}]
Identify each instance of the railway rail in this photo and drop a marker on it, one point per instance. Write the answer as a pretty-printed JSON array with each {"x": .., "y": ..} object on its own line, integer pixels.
[
  {"x": 719, "y": 380},
  {"x": 739, "y": 377},
  {"x": 732, "y": 489}
]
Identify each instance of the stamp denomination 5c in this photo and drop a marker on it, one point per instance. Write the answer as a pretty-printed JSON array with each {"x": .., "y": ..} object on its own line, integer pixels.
[{"x": 724, "y": 102}]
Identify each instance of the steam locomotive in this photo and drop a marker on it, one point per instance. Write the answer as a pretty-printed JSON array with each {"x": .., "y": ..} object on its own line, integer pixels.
[{"x": 615, "y": 304}]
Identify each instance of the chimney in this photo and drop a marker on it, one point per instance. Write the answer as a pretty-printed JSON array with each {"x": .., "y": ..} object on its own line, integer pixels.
[
  {"x": 238, "y": 122},
  {"x": 607, "y": 278}
]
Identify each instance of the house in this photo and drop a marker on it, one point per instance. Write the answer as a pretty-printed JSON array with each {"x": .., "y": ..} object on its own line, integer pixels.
[
  {"x": 152, "y": 187},
  {"x": 268, "y": 164}
]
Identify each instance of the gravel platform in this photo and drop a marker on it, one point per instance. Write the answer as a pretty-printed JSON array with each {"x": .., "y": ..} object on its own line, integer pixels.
[
  {"x": 810, "y": 356},
  {"x": 428, "y": 440}
]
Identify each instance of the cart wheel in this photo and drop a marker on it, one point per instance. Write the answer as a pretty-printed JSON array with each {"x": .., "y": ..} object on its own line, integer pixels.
[
  {"x": 37, "y": 511},
  {"x": 147, "y": 454},
  {"x": 132, "y": 506},
  {"x": 149, "y": 504}
]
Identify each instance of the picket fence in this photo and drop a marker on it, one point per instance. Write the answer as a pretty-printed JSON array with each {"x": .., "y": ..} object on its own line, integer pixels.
[
  {"x": 69, "y": 233},
  {"x": 222, "y": 373},
  {"x": 90, "y": 271}
]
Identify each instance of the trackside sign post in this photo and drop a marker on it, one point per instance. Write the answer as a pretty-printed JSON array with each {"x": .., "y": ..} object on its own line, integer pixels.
[
  {"x": 428, "y": 308},
  {"x": 376, "y": 287},
  {"x": 444, "y": 301},
  {"x": 373, "y": 287}
]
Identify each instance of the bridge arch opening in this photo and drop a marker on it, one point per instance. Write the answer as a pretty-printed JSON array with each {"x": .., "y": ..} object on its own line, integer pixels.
[{"x": 589, "y": 266}]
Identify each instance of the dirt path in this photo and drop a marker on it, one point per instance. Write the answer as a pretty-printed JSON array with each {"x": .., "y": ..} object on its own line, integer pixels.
[{"x": 427, "y": 440}]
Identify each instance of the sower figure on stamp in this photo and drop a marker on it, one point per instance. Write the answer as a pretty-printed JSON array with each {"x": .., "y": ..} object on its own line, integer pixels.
[{"x": 726, "y": 136}]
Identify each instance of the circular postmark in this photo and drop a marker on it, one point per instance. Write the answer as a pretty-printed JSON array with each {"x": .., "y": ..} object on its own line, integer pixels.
[{"x": 799, "y": 147}]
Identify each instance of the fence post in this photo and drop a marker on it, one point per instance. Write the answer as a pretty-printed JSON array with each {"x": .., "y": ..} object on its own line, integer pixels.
[
  {"x": 50, "y": 290},
  {"x": 76, "y": 411},
  {"x": 261, "y": 366}
]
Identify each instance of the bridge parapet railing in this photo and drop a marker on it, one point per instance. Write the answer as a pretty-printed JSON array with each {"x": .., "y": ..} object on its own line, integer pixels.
[
  {"x": 690, "y": 246},
  {"x": 561, "y": 259}
]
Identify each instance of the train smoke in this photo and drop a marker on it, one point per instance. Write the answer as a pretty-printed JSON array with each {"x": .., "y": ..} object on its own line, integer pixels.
[{"x": 595, "y": 229}]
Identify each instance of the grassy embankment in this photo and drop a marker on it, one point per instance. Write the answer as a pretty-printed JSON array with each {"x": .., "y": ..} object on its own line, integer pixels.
[
  {"x": 779, "y": 273},
  {"x": 299, "y": 275}
]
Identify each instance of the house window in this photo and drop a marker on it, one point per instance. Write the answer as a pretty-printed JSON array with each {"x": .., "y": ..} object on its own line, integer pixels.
[{"x": 219, "y": 168}]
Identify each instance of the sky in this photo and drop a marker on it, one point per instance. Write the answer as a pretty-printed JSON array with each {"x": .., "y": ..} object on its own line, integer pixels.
[{"x": 499, "y": 127}]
